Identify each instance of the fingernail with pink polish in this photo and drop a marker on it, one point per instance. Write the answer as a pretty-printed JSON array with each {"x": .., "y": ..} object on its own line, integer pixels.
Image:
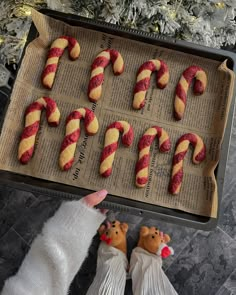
[{"x": 102, "y": 193}]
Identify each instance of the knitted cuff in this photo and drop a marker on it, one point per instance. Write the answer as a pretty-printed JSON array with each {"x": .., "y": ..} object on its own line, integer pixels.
[{"x": 77, "y": 217}]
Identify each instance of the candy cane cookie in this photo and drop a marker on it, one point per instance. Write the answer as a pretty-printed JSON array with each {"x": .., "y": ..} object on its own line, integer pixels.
[
  {"x": 72, "y": 135},
  {"x": 144, "y": 145},
  {"x": 97, "y": 71},
  {"x": 182, "y": 145},
  {"x": 143, "y": 80},
  {"x": 55, "y": 52},
  {"x": 111, "y": 144},
  {"x": 182, "y": 88},
  {"x": 32, "y": 120}
]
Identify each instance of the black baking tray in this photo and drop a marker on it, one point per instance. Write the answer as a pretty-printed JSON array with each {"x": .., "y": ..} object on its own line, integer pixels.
[{"x": 40, "y": 186}]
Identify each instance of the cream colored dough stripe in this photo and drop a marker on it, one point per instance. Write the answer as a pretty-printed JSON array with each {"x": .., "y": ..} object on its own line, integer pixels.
[
  {"x": 142, "y": 173},
  {"x": 72, "y": 126},
  {"x": 184, "y": 83},
  {"x": 112, "y": 136},
  {"x": 67, "y": 153},
  {"x": 54, "y": 116},
  {"x": 156, "y": 63},
  {"x": 52, "y": 60},
  {"x": 105, "y": 54},
  {"x": 177, "y": 167},
  {"x": 164, "y": 78},
  {"x": 82, "y": 111},
  {"x": 42, "y": 101},
  {"x": 25, "y": 145},
  {"x": 60, "y": 43},
  {"x": 118, "y": 64},
  {"x": 126, "y": 126},
  {"x": 199, "y": 146},
  {"x": 151, "y": 131},
  {"x": 144, "y": 152},
  {"x": 107, "y": 163},
  {"x": 32, "y": 117},
  {"x": 144, "y": 74},
  {"x": 183, "y": 146},
  {"x": 97, "y": 71}
]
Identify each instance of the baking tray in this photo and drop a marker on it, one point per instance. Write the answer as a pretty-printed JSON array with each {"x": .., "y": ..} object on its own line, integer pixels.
[{"x": 40, "y": 186}]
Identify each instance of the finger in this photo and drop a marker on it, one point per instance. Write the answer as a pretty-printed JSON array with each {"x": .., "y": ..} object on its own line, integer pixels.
[
  {"x": 104, "y": 211},
  {"x": 108, "y": 224},
  {"x": 95, "y": 198}
]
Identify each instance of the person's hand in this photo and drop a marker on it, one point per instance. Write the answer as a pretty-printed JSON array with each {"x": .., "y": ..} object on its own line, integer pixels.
[{"x": 95, "y": 198}]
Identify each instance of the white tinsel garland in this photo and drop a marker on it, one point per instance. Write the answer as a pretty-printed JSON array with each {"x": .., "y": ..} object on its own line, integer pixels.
[{"x": 207, "y": 22}]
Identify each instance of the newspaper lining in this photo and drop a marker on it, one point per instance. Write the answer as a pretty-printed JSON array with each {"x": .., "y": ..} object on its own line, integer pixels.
[{"x": 205, "y": 115}]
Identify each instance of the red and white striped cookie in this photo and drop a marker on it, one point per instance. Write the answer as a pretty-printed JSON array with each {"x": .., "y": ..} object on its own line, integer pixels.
[
  {"x": 97, "y": 71},
  {"x": 143, "y": 80},
  {"x": 182, "y": 88},
  {"x": 144, "y": 145},
  {"x": 73, "y": 133},
  {"x": 111, "y": 144},
  {"x": 55, "y": 52},
  {"x": 32, "y": 120},
  {"x": 182, "y": 145}
]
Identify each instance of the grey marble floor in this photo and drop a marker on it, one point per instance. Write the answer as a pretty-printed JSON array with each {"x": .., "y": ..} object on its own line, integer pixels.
[{"x": 204, "y": 262}]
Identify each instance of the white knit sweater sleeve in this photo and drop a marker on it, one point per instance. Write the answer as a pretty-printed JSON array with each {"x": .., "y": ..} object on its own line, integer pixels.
[{"x": 57, "y": 253}]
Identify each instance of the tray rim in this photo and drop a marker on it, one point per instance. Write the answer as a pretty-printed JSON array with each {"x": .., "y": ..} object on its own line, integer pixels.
[{"x": 23, "y": 182}]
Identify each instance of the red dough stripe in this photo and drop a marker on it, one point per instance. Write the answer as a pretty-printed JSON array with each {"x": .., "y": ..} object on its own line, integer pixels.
[
  {"x": 66, "y": 38},
  {"x": 108, "y": 150},
  {"x": 75, "y": 115},
  {"x": 142, "y": 85},
  {"x": 107, "y": 173},
  {"x": 33, "y": 107},
  {"x": 188, "y": 136},
  {"x": 144, "y": 145},
  {"x": 95, "y": 82},
  {"x": 69, "y": 139},
  {"x": 72, "y": 135},
  {"x": 143, "y": 80},
  {"x": 51, "y": 107},
  {"x": 32, "y": 113},
  {"x": 30, "y": 130},
  {"x": 176, "y": 181},
  {"x": 52, "y": 68},
  {"x": 55, "y": 52},
  {"x": 97, "y": 71},
  {"x": 114, "y": 54},
  {"x": 145, "y": 141},
  {"x": 148, "y": 65},
  {"x": 142, "y": 163},
  {"x": 179, "y": 91},
  {"x": 68, "y": 165},
  {"x": 116, "y": 125},
  {"x": 141, "y": 181},
  {"x": 26, "y": 156},
  {"x": 127, "y": 138},
  {"x": 182, "y": 87},
  {"x": 178, "y": 157},
  {"x": 201, "y": 155},
  {"x": 181, "y": 150},
  {"x": 89, "y": 117},
  {"x": 165, "y": 146},
  {"x": 198, "y": 87},
  {"x": 162, "y": 71},
  {"x": 108, "y": 153},
  {"x": 100, "y": 61},
  {"x": 190, "y": 73}
]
